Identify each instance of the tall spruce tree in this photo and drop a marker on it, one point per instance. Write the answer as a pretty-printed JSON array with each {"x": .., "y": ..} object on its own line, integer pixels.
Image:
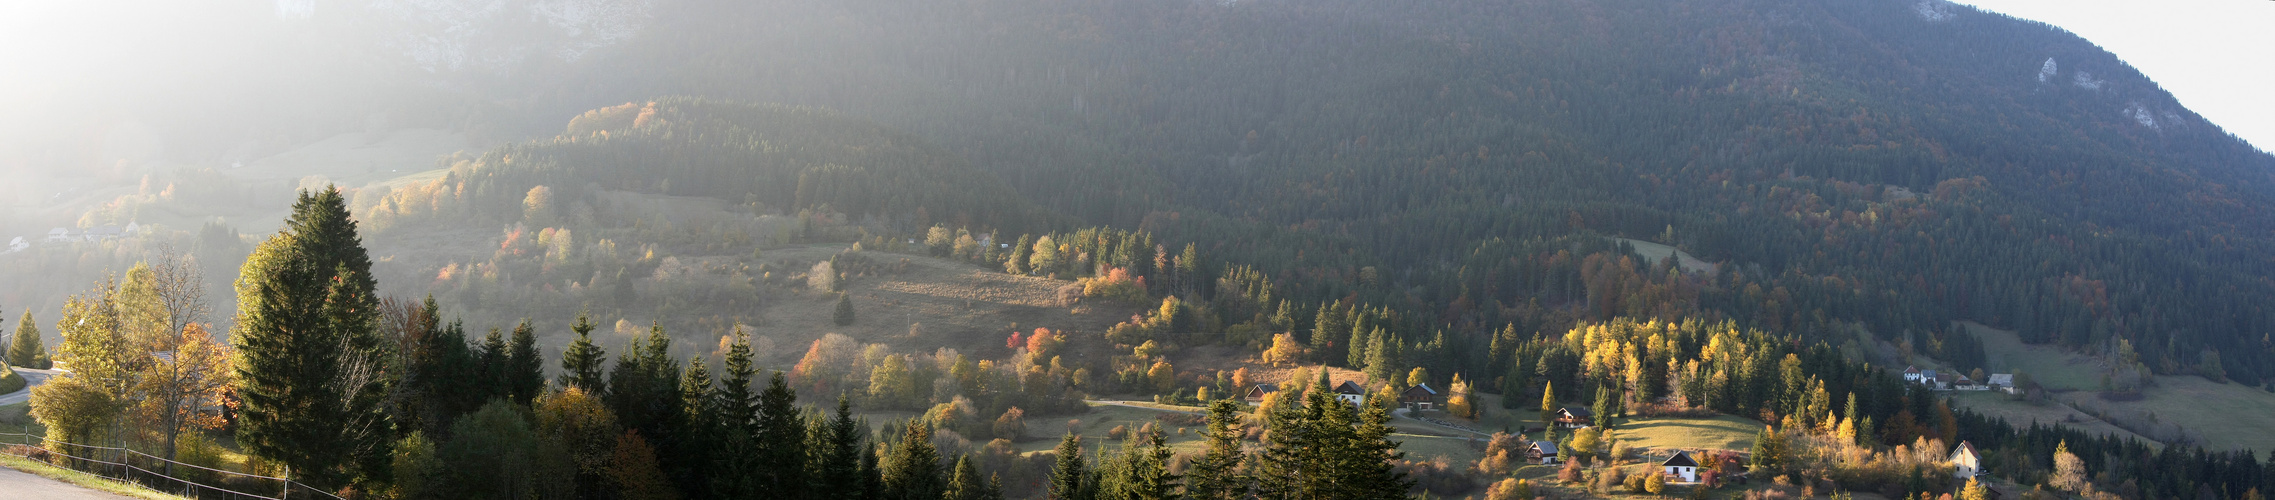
[
  {"x": 1328, "y": 334},
  {"x": 26, "y": 349},
  {"x": 1068, "y": 473},
  {"x": 781, "y": 444},
  {"x": 695, "y": 463},
  {"x": 581, "y": 361},
  {"x": 1607, "y": 404},
  {"x": 1365, "y": 459},
  {"x": 842, "y": 460},
  {"x": 844, "y": 314},
  {"x": 912, "y": 472},
  {"x": 738, "y": 473},
  {"x": 309, "y": 364},
  {"x": 524, "y": 367},
  {"x": 965, "y": 483},
  {"x": 491, "y": 356},
  {"x": 1142, "y": 470},
  {"x": 1216, "y": 474}
]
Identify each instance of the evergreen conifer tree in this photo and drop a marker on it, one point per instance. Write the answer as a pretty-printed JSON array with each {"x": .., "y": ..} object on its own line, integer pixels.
[
  {"x": 842, "y": 459},
  {"x": 1216, "y": 474},
  {"x": 912, "y": 472},
  {"x": 738, "y": 473},
  {"x": 781, "y": 444},
  {"x": 1068, "y": 473},
  {"x": 1329, "y": 334},
  {"x": 965, "y": 483},
  {"x": 492, "y": 358},
  {"x": 1607, "y": 404},
  {"x": 1367, "y": 456},
  {"x": 26, "y": 349},
  {"x": 525, "y": 368},
  {"x": 695, "y": 464},
  {"x": 581, "y": 361},
  {"x": 309, "y": 359},
  {"x": 844, "y": 314}
]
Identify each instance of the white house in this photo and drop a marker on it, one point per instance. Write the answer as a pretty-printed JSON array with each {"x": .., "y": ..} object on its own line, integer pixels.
[
  {"x": 18, "y": 244},
  {"x": 1681, "y": 466},
  {"x": 58, "y": 235},
  {"x": 2002, "y": 382},
  {"x": 1351, "y": 393},
  {"x": 1965, "y": 463}
]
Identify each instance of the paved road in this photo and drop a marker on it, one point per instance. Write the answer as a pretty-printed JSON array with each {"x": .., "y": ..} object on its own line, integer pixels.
[
  {"x": 1126, "y": 404},
  {"x": 19, "y": 484},
  {"x": 34, "y": 377}
]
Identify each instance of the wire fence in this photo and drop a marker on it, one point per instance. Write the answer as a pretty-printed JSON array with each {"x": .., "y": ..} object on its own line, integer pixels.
[{"x": 155, "y": 473}]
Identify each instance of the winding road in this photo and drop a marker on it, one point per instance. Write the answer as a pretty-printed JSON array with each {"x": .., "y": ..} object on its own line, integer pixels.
[{"x": 34, "y": 379}]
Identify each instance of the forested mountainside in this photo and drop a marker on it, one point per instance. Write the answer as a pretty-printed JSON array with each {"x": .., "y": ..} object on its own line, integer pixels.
[{"x": 1895, "y": 164}]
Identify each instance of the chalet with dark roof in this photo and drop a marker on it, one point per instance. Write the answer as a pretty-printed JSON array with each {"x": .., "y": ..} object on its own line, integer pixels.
[
  {"x": 1419, "y": 397},
  {"x": 1573, "y": 418},
  {"x": 1256, "y": 394},
  {"x": 1542, "y": 452}
]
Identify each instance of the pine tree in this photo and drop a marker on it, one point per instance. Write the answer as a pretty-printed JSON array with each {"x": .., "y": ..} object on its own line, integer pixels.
[
  {"x": 1769, "y": 450},
  {"x": 841, "y": 469},
  {"x": 1607, "y": 404},
  {"x": 1017, "y": 263},
  {"x": 491, "y": 357},
  {"x": 26, "y": 349},
  {"x": 1362, "y": 338},
  {"x": 694, "y": 464},
  {"x": 781, "y": 444},
  {"x": 1368, "y": 453},
  {"x": 844, "y": 314},
  {"x": 965, "y": 483},
  {"x": 1547, "y": 403},
  {"x": 1381, "y": 360},
  {"x": 738, "y": 473},
  {"x": 912, "y": 472},
  {"x": 308, "y": 352},
  {"x": 1216, "y": 474},
  {"x": 581, "y": 361},
  {"x": 1142, "y": 470},
  {"x": 1067, "y": 474},
  {"x": 1328, "y": 340},
  {"x": 525, "y": 368}
]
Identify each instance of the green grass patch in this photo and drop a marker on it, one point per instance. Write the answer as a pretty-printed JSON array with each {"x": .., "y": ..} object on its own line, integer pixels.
[
  {"x": 2052, "y": 367},
  {"x": 2229, "y": 416},
  {"x": 2022, "y": 413},
  {"x": 10, "y": 381},
  {"x": 1721, "y": 432},
  {"x": 82, "y": 479}
]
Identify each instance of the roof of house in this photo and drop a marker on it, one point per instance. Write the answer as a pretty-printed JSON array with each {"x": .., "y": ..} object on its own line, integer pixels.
[
  {"x": 1545, "y": 447},
  {"x": 1965, "y": 449},
  {"x": 1578, "y": 412},
  {"x": 1349, "y": 387},
  {"x": 1911, "y": 369},
  {"x": 1681, "y": 459},
  {"x": 2002, "y": 379},
  {"x": 1424, "y": 387},
  {"x": 1260, "y": 389}
]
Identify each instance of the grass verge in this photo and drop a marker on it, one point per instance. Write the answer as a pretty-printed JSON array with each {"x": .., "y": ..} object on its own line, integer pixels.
[{"x": 82, "y": 479}]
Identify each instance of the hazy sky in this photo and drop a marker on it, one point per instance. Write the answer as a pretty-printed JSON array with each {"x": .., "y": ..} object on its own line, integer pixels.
[{"x": 2216, "y": 56}]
